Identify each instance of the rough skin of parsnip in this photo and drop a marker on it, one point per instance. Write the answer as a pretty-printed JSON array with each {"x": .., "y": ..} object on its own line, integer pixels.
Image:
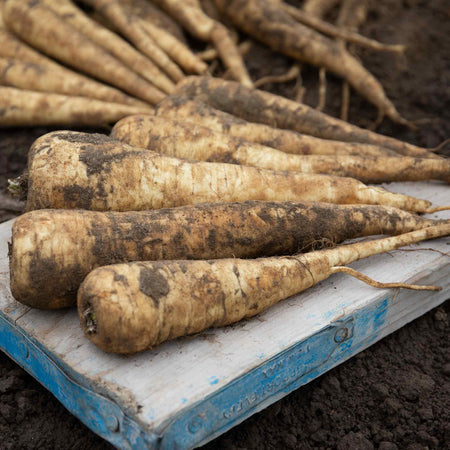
[
  {"x": 190, "y": 15},
  {"x": 192, "y": 141},
  {"x": 111, "y": 42},
  {"x": 263, "y": 107},
  {"x": 44, "y": 30},
  {"x": 71, "y": 170},
  {"x": 55, "y": 79},
  {"x": 21, "y": 107},
  {"x": 151, "y": 13},
  {"x": 52, "y": 251},
  {"x": 127, "y": 308},
  {"x": 192, "y": 110},
  {"x": 266, "y": 21}
]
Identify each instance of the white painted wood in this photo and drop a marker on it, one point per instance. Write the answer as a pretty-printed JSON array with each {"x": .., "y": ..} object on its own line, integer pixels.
[{"x": 180, "y": 373}]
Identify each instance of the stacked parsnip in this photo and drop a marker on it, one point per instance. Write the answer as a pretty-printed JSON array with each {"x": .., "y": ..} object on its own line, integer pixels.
[
  {"x": 110, "y": 78},
  {"x": 140, "y": 50},
  {"x": 185, "y": 127},
  {"x": 219, "y": 173},
  {"x": 118, "y": 225}
]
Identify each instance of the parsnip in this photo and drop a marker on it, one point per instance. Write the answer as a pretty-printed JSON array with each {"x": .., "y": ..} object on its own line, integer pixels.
[
  {"x": 127, "y": 308},
  {"x": 21, "y": 107},
  {"x": 192, "y": 110},
  {"x": 55, "y": 79},
  {"x": 262, "y": 107},
  {"x": 196, "y": 142},
  {"x": 43, "y": 29},
  {"x": 266, "y": 21},
  {"x": 70, "y": 170},
  {"x": 129, "y": 27},
  {"x": 52, "y": 251},
  {"x": 190, "y": 15},
  {"x": 111, "y": 42}
]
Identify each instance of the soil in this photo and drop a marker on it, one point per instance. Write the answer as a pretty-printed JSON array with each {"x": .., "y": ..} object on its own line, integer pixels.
[{"x": 396, "y": 394}]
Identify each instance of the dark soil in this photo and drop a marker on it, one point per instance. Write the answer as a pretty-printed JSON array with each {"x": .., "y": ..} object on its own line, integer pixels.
[{"x": 395, "y": 395}]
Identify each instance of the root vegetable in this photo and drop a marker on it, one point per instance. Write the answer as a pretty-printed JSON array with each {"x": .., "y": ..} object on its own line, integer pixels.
[
  {"x": 129, "y": 26},
  {"x": 42, "y": 28},
  {"x": 341, "y": 33},
  {"x": 55, "y": 79},
  {"x": 151, "y": 13},
  {"x": 20, "y": 107},
  {"x": 74, "y": 83},
  {"x": 161, "y": 29},
  {"x": 53, "y": 250},
  {"x": 127, "y": 308},
  {"x": 352, "y": 14},
  {"x": 186, "y": 109},
  {"x": 178, "y": 51},
  {"x": 70, "y": 170},
  {"x": 262, "y": 107},
  {"x": 266, "y": 21},
  {"x": 190, "y": 15},
  {"x": 111, "y": 42},
  {"x": 195, "y": 142}
]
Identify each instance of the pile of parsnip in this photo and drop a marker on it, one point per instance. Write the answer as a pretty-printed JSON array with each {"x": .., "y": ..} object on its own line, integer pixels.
[
  {"x": 211, "y": 200},
  {"x": 92, "y": 62},
  {"x": 175, "y": 223}
]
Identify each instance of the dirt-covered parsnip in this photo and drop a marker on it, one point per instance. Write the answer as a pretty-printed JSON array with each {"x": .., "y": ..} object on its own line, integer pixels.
[
  {"x": 336, "y": 32},
  {"x": 52, "y": 251},
  {"x": 21, "y": 107},
  {"x": 71, "y": 170},
  {"x": 267, "y": 22},
  {"x": 176, "y": 49},
  {"x": 151, "y": 13},
  {"x": 129, "y": 26},
  {"x": 74, "y": 83},
  {"x": 352, "y": 14},
  {"x": 191, "y": 16},
  {"x": 263, "y": 107},
  {"x": 192, "y": 110},
  {"x": 195, "y": 142},
  {"x": 43, "y": 29},
  {"x": 56, "y": 79},
  {"x": 158, "y": 25},
  {"x": 127, "y": 308},
  {"x": 111, "y": 42}
]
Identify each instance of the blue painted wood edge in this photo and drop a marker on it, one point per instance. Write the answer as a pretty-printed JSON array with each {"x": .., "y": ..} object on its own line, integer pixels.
[
  {"x": 217, "y": 413},
  {"x": 275, "y": 378},
  {"x": 97, "y": 412}
]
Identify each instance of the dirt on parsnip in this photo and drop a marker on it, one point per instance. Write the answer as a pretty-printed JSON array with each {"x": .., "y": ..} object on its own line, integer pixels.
[{"x": 394, "y": 395}]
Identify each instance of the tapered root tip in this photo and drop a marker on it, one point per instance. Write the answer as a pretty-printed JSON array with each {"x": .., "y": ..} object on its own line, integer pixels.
[
  {"x": 379, "y": 285},
  {"x": 441, "y": 146},
  {"x": 437, "y": 209},
  {"x": 397, "y": 48},
  {"x": 391, "y": 112}
]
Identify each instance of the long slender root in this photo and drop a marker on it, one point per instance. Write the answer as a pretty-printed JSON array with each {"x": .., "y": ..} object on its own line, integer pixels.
[
  {"x": 322, "y": 89},
  {"x": 290, "y": 75},
  {"x": 341, "y": 33},
  {"x": 267, "y": 22},
  {"x": 437, "y": 209},
  {"x": 345, "y": 101},
  {"x": 379, "y": 285}
]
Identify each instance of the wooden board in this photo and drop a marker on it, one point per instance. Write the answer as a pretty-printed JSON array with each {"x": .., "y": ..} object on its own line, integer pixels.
[{"x": 186, "y": 392}]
